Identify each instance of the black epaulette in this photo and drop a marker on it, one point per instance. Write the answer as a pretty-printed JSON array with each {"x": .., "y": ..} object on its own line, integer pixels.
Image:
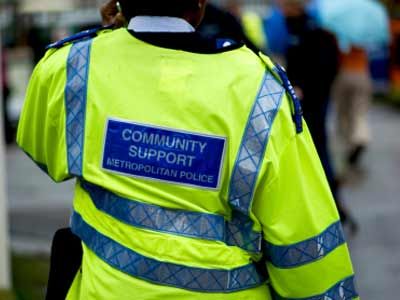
[
  {"x": 298, "y": 111},
  {"x": 90, "y": 33},
  {"x": 226, "y": 43}
]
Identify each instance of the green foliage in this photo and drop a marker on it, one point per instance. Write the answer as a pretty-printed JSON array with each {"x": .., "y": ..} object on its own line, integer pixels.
[
  {"x": 30, "y": 276},
  {"x": 6, "y": 295}
]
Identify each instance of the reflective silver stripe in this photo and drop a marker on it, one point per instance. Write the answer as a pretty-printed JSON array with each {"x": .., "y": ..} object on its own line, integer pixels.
[
  {"x": 148, "y": 216},
  {"x": 239, "y": 232},
  {"x": 308, "y": 251},
  {"x": 343, "y": 290},
  {"x": 75, "y": 103},
  {"x": 252, "y": 151},
  {"x": 178, "y": 222},
  {"x": 163, "y": 273}
]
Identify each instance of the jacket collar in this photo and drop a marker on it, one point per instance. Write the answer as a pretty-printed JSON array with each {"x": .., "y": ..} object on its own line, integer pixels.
[{"x": 159, "y": 24}]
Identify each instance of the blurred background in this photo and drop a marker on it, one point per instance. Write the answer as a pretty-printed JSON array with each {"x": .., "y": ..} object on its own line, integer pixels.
[{"x": 343, "y": 57}]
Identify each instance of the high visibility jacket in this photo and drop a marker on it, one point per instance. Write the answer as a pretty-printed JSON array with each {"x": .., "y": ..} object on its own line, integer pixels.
[{"x": 193, "y": 179}]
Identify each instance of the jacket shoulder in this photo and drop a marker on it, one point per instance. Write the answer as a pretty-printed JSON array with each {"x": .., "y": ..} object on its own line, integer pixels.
[
  {"x": 80, "y": 36},
  {"x": 280, "y": 74},
  {"x": 55, "y": 59}
]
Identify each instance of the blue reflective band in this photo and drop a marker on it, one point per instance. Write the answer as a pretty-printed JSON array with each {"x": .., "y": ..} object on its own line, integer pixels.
[
  {"x": 298, "y": 111},
  {"x": 250, "y": 157},
  {"x": 75, "y": 104},
  {"x": 254, "y": 144},
  {"x": 239, "y": 232},
  {"x": 307, "y": 251},
  {"x": 177, "y": 222},
  {"x": 163, "y": 154},
  {"x": 138, "y": 214},
  {"x": 163, "y": 273},
  {"x": 343, "y": 290}
]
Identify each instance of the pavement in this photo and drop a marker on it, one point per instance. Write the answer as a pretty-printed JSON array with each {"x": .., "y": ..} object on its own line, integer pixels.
[
  {"x": 375, "y": 201},
  {"x": 38, "y": 207}
]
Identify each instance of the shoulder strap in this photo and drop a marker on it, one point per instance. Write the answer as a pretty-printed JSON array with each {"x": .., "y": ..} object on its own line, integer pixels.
[
  {"x": 280, "y": 73},
  {"x": 83, "y": 35}
]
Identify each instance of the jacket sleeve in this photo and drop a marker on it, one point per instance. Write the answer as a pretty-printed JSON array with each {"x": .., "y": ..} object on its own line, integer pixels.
[
  {"x": 41, "y": 130},
  {"x": 305, "y": 250}
]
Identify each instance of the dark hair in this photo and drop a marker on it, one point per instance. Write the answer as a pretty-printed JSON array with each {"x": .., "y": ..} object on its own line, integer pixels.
[{"x": 173, "y": 8}]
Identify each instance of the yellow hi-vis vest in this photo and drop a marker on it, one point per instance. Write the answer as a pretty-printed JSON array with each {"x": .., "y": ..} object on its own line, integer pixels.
[{"x": 192, "y": 181}]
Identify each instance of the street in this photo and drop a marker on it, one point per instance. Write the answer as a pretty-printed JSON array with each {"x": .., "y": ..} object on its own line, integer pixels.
[{"x": 38, "y": 207}]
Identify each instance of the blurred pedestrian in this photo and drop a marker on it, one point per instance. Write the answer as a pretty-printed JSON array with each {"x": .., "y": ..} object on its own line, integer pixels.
[
  {"x": 352, "y": 94},
  {"x": 312, "y": 58},
  {"x": 195, "y": 178},
  {"x": 359, "y": 25}
]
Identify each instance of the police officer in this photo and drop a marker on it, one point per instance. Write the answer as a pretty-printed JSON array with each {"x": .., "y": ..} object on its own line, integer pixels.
[{"x": 196, "y": 177}]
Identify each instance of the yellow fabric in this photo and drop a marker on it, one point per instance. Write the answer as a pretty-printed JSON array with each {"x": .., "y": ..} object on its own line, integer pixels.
[
  {"x": 308, "y": 207},
  {"x": 295, "y": 205},
  {"x": 113, "y": 285},
  {"x": 302, "y": 282},
  {"x": 172, "y": 82},
  {"x": 209, "y": 94},
  {"x": 174, "y": 249},
  {"x": 303, "y": 209},
  {"x": 41, "y": 131}
]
